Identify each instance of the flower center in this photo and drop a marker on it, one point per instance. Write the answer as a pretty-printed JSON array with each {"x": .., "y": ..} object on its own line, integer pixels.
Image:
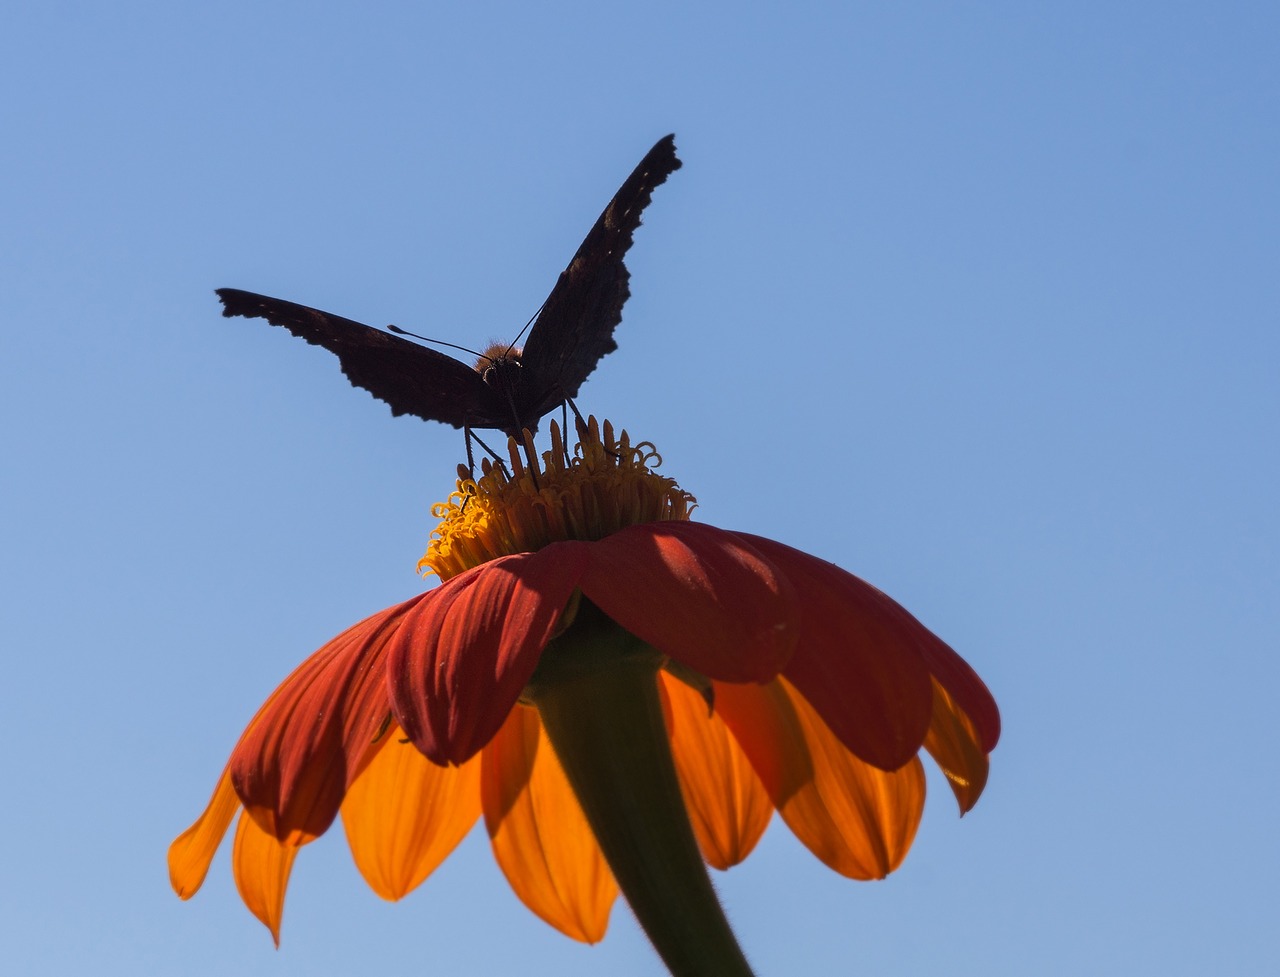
[{"x": 605, "y": 484}]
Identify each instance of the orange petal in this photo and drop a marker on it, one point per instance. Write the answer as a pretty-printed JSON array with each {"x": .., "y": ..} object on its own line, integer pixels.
[
  {"x": 540, "y": 836},
  {"x": 969, "y": 693},
  {"x": 860, "y": 820},
  {"x": 699, "y": 594},
  {"x": 953, "y": 744},
  {"x": 858, "y": 661},
  {"x": 403, "y": 815},
  {"x": 294, "y": 763},
  {"x": 460, "y": 662},
  {"x": 261, "y": 866},
  {"x": 192, "y": 851},
  {"x": 727, "y": 804}
]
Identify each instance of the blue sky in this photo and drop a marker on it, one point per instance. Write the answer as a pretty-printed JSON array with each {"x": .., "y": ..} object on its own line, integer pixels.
[{"x": 978, "y": 301}]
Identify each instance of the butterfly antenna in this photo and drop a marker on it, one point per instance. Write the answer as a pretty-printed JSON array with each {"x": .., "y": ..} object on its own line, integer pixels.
[
  {"x": 439, "y": 342},
  {"x": 520, "y": 335}
]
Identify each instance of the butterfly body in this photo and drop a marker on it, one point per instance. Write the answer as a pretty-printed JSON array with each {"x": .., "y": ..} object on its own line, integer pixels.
[{"x": 508, "y": 389}]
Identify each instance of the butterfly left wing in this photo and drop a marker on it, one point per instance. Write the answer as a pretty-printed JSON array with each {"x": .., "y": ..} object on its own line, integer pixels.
[
  {"x": 575, "y": 327},
  {"x": 411, "y": 378}
]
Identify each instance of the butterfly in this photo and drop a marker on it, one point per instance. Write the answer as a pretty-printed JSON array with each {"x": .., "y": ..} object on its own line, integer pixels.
[{"x": 509, "y": 388}]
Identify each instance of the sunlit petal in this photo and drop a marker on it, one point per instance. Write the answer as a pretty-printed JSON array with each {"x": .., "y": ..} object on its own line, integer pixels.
[
  {"x": 728, "y": 806},
  {"x": 968, "y": 692},
  {"x": 460, "y": 662},
  {"x": 785, "y": 683},
  {"x": 192, "y": 851},
  {"x": 860, "y": 820},
  {"x": 699, "y": 594},
  {"x": 261, "y": 866},
  {"x": 403, "y": 815},
  {"x": 540, "y": 836},
  {"x": 858, "y": 661},
  {"x": 294, "y": 762},
  {"x": 953, "y": 744}
]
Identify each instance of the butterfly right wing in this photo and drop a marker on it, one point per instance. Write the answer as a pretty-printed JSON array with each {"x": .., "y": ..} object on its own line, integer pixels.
[
  {"x": 575, "y": 327},
  {"x": 411, "y": 378}
]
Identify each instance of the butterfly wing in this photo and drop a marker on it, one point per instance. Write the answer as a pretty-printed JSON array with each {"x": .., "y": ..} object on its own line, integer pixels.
[
  {"x": 411, "y": 378},
  {"x": 575, "y": 327}
]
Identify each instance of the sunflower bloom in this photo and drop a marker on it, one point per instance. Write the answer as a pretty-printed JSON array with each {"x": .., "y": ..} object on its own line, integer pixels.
[{"x": 579, "y": 606}]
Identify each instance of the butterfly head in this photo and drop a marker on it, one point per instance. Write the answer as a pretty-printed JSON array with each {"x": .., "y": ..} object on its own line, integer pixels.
[
  {"x": 499, "y": 365},
  {"x": 498, "y": 362}
]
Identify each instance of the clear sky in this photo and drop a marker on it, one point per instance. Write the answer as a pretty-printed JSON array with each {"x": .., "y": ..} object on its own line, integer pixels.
[{"x": 979, "y": 301}]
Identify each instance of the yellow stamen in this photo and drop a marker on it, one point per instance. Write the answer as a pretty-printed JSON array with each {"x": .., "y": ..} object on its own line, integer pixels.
[{"x": 606, "y": 484}]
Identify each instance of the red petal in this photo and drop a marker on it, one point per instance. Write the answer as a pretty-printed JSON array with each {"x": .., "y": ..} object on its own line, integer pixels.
[
  {"x": 860, "y": 658},
  {"x": 970, "y": 693},
  {"x": 294, "y": 762},
  {"x": 699, "y": 594},
  {"x": 460, "y": 662}
]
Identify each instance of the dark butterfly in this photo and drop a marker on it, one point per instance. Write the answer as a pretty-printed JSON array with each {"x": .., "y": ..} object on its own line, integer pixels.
[{"x": 509, "y": 388}]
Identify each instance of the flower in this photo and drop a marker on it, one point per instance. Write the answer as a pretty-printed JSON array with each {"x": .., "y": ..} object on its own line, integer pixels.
[{"x": 784, "y": 682}]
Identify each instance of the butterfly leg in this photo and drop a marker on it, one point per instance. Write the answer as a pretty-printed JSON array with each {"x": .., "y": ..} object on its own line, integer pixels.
[
  {"x": 471, "y": 462},
  {"x": 580, "y": 421}
]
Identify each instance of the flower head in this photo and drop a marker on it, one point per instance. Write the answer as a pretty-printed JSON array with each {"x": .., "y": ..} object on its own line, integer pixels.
[{"x": 784, "y": 684}]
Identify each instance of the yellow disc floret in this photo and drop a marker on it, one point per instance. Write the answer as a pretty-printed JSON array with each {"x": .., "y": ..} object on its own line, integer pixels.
[{"x": 604, "y": 485}]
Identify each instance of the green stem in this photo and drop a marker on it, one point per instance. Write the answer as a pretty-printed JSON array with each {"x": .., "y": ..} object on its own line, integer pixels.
[{"x": 596, "y": 691}]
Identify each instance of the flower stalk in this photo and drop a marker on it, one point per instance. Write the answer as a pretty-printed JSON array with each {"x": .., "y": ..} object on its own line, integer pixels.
[{"x": 596, "y": 692}]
